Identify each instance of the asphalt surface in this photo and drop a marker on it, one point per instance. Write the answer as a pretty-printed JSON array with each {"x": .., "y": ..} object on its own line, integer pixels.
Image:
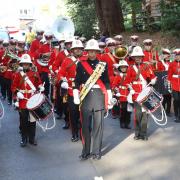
[{"x": 56, "y": 157}]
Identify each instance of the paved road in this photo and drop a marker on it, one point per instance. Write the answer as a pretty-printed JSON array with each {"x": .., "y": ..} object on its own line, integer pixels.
[{"x": 56, "y": 157}]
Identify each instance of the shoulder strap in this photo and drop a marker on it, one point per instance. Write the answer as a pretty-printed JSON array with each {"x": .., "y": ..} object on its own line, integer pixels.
[
  {"x": 89, "y": 70},
  {"x": 27, "y": 80},
  {"x": 139, "y": 75}
]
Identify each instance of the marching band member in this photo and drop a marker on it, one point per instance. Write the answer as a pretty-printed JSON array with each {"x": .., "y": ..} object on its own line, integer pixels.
[
  {"x": 174, "y": 78},
  {"x": 102, "y": 45},
  {"x": 4, "y": 66},
  {"x": 68, "y": 72},
  {"x": 118, "y": 39},
  {"x": 139, "y": 75},
  {"x": 110, "y": 59},
  {"x": 62, "y": 54},
  {"x": 45, "y": 59},
  {"x": 20, "y": 48},
  {"x": 163, "y": 65},
  {"x": 60, "y": 106},
  {"x": 92, "y": 76},
  {"x": 134, "y": 43},
  {"x": 36, "y": 44},
  {"x": 120, "y": 87},
  {"x": 8, "y": 75},
  {"x": 150, "y": 55},
  {"x": 24, "y": 84}
]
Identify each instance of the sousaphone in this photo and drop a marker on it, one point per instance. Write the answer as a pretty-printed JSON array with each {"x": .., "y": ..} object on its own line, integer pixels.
[{"x": 63, "y": 27}]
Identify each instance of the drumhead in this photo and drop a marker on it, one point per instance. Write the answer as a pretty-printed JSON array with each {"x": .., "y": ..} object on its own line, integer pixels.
[
  {"x": 35, "y": 101},
  {"x": 144, "y": 93}
]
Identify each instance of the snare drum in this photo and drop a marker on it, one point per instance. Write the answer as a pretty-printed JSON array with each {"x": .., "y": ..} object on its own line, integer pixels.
[
  {"x": 39, "y": 106},
  {"x": 149, "y": 99}
]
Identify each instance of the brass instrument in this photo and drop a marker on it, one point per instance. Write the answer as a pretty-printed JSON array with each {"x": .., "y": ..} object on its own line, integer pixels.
[
  {"x": 14, "y": 67},
  {"x": 3, "y": 69},
  {"x": 10, "y": 54},
  {"x": 120, "y": 52}
]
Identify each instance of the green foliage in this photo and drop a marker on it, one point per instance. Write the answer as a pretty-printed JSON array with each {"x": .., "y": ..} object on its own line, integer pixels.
[
  {"x": 84, "y": 17},
  {"x": 170, "y": 19},
  {"x": 127, "y": 6}
]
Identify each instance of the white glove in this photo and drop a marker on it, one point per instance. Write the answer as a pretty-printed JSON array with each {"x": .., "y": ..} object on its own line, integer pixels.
[
  {"x": 132, "y": 91},
  {"x": 41, "y": 88},
  {"x": 110, "y": 105},
  {"x": 76, "y": 96},
  {"x": 129, "y": 98},
  {"x": 16, "y": 104},
  {"x": 117, "y": 94},
  {"x": 20, "y": 95},
  {"x": 170, "y": 91},
  {"x": 64, "y": 85},
  {"x": 153, "y": 81}
]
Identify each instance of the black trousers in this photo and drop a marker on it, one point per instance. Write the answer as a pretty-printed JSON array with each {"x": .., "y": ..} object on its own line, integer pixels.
[
  {"x": 92, "y": 120},
  {"x": 59, "y": 100},
  {"x": 125, "y": 116},
  {"x": 141, "y": 121},
  {"x": 73, "y": 115},
  {"x": 176, "y": 103},
  {"x": 44, "y": 78},
  {"x": 167, "y": 102},
  {"x": 3, "y": 86},
  {"x": 28, "y": 128},
  {"x": 8, "y": 89}
]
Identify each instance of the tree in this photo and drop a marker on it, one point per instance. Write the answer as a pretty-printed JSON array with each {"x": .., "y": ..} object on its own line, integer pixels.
[
  {"x": 110, "y": 16},
  {"x": 84, "y": 17}
]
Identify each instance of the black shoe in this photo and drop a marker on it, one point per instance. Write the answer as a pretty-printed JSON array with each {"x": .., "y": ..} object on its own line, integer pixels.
[
  {"x": 127, "y": 127},
  {"x": 74, "y": 139},
  {"x": 23, "y": 143},
  {"x": 84, "y": 157},
  {"x": 177, "y": 120},
  {"x": 122, "y": 126},
  {"x": 144, "y": 138},
  {"x": 58, "y": 117},
  {"x": 34, "y": 143},
  {"x": 96, "y": 156},
  {"x": 168, "y": 114},
  {"x": 136, "y": 137},
  {"x": 66, "y": 126}
]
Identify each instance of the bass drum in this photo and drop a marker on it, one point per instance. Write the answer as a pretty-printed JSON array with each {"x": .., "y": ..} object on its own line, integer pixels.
[{"x": 39, "y": 106}]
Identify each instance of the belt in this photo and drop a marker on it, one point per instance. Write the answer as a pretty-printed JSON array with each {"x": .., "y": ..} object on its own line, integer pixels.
[
  {"x": 176, "y": 76},
  {"x": 122, "y": 87},
  {"x": 137, "y": 82},
  {"x": 96, "y": 86},
  {"x": 26, "y": 91}
]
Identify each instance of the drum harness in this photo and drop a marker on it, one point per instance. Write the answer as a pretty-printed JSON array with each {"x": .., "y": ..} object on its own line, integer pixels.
[
  {"x": 163, "y": 113},
  {"x": 33, "y": 88}
]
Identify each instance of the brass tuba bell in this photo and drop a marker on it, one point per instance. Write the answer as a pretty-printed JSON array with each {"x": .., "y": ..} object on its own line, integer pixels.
[{"x": 120, "y": 52}]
